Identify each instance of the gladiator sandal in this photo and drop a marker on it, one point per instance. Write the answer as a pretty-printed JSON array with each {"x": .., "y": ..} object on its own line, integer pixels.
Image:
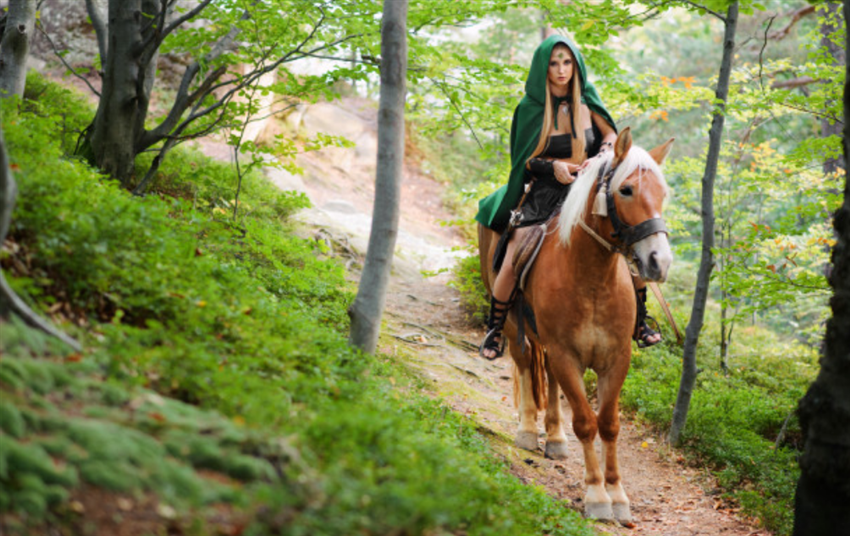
[
  {"x": 495, "y": 322},
  {"x": 642, "y": 330}
]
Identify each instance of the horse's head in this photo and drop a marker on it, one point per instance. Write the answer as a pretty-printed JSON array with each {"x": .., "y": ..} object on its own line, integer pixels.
[
  {"x": 629, "y": 190},
  {"x": 635, "y": 203}
]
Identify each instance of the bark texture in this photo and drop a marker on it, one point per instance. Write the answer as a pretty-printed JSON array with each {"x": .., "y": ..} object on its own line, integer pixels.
[
  {"x": 368, "y": 307},
  {"x": 827, "y": 29},
  {"x": 689, "y": 367},
  {"x": 14, "y": 48},
  {"x": 822, "y": 505},
  {"x": 11, "y": 303},
  {"x": 127, "y": 81}
]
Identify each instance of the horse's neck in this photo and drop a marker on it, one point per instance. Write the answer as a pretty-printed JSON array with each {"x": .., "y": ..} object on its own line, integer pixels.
[{"x": 587, "y": 257}]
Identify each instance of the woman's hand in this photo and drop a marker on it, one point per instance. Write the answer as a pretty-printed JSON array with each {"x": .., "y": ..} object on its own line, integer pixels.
[{"x": 564, "y": 171}]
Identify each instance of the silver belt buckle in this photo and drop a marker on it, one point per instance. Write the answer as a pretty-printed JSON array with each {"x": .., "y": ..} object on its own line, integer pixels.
[{"x": 516, "y": 218}]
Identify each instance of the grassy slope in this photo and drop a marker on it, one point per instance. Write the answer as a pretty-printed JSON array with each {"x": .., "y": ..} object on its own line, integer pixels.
[{"x": 217, "y": 387}]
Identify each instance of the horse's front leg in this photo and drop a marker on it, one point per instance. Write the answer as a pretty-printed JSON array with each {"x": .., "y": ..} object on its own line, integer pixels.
[
  {"x": 609, "y": 386},
  {"x": 570, "y": 376},
  {"x": 556, "y": 439}
]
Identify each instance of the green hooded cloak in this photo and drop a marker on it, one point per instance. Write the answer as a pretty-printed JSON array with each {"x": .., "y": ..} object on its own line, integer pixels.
[{"x": 494, "y": 210}]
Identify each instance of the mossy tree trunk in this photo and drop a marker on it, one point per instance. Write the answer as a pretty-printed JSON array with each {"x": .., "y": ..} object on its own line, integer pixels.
[
  {"x": 689, "y": 366},
  {"x": 822, "y": 503},
  {"x": 14, "y": 47},
  {"x": 368, "y": 307}
]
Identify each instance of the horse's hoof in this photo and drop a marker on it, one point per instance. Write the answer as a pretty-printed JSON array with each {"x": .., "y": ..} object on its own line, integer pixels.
[
  {"x": 600, "y": 511},
  {"x": 622, "y": 513},
  {"x": 557, "y": 450},
  {"x": 527, "y": 441}
]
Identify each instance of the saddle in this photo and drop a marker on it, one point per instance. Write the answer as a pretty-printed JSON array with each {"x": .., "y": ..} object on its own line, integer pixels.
[{"x": 526, "y": 252}]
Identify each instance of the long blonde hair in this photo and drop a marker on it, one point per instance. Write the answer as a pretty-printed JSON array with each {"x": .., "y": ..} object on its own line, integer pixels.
[{"x": 575, "y": 110}]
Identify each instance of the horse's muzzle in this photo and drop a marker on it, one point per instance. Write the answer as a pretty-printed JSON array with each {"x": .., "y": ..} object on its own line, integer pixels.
[{"x": 654, "y": 257}]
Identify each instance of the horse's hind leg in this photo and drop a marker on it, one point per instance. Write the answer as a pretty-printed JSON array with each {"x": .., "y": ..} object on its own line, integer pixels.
[
  {"x": 597, "y": 503},
  {"x": 556, "y": 439},
  {"x": 609, "y": 386},
  {"x": 526, "y": 436}
]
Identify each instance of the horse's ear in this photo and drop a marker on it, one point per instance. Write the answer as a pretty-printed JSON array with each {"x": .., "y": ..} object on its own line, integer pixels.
[
  {"x": 623, "y": 144},
  {"x": 660, "y": 153}
]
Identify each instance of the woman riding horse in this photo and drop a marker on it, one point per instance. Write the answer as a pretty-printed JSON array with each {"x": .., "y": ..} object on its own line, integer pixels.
[{"x": 558, "y": 125}]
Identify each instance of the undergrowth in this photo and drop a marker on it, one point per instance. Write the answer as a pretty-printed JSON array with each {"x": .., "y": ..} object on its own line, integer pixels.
[
  {"x": 217, "y": 369},
  {"x": 735, "y": 419}
]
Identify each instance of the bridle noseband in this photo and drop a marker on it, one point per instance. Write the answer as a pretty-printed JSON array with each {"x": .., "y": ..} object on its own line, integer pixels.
[{"x": 627, "y": 234}]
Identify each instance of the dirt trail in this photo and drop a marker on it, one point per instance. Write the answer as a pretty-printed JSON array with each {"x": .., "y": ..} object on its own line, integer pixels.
[{"x": 429, "y": 331}]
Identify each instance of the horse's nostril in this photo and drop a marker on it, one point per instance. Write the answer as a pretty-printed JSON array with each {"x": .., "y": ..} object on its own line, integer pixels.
[{"x": 653, "y": 262}]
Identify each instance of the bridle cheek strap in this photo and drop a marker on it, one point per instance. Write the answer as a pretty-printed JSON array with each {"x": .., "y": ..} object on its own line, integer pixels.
[{"x": 627, "y": 234}]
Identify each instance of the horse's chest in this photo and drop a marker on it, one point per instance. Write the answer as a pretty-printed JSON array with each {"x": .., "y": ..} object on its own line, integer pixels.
[{"x": 591, "y": 327}]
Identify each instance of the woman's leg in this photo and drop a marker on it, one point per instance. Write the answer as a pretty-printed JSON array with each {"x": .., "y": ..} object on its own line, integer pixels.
[
  {"x": 503, "y": 288},
  {"x": 645, "y": 335}
]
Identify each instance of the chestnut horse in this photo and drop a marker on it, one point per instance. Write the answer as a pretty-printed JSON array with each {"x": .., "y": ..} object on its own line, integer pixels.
[{"x": 583, "y": 299}]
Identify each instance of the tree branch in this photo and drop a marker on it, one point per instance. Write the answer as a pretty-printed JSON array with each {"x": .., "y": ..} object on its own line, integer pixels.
[
  {"x": 795, "y": 17},
  {"x": 793, "y": 82},
  {"x": 100, "y": 30},
  {"x": 699, "y": 6},
  {"x": 156, "y": 39},
  {"x": 458, "y": 110},
  {"x": 761, "y": 52},
  {"x": 184, "y": 100},
  {"x": 65, "y": 63}
]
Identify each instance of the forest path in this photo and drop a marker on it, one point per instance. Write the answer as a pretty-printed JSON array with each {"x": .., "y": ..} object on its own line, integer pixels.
[{"x": 427, "y": 329}]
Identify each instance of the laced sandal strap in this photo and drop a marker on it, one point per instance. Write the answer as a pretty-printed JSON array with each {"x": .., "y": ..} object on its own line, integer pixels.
[
  {"x": 642, "y": 329},
  {"x": 495, "y": 323}
]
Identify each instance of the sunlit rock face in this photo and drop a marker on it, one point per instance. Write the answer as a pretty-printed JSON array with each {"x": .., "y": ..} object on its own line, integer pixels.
[{"x": 67, "y": 24}]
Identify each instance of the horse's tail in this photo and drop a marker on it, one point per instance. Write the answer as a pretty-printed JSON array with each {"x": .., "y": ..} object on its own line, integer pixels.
[
  {"x": 538, "y": 375},
  {"x": 539, "y": 386}
]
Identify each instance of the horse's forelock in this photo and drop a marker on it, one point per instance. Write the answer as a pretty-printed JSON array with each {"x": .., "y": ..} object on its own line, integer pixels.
[
  {"x": 638, "y": 159},
  {"x": 576, "y": 204}
]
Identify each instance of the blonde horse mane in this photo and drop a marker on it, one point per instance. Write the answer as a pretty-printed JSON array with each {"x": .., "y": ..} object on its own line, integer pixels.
[{"x": 575, "y": 206}]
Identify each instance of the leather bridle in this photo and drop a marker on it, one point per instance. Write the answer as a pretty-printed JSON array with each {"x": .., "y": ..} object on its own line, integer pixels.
[{"x": 628, "y": 235}]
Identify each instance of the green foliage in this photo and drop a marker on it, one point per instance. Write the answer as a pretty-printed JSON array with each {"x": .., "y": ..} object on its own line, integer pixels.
[
  {"x": 735, "y": 420},
  {"x": 245, "y": 322},
  {"x": 466, "y": 279}
]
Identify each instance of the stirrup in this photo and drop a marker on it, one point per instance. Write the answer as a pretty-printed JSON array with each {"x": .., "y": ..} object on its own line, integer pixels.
[
  {"x": 495, "y": 323},
  {"x": 642, "y": 329}
]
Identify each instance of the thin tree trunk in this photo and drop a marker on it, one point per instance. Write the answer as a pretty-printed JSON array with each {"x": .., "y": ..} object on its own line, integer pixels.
[
  {"x": 827, "y": 29},
  {"x": 20, "y": 24},
  {"x": 11, "y": 303},
  {"x": 368, "y": 307},
  {"x": 823, "y": 491},
  {"x": 689, "y": 366}
]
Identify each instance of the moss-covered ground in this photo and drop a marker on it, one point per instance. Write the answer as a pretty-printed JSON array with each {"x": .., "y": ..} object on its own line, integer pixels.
[{"x": 217, "y": 393}]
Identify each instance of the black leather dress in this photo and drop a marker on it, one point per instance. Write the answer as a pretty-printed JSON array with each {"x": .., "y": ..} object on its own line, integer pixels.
[{"x": 547, "y": 194}]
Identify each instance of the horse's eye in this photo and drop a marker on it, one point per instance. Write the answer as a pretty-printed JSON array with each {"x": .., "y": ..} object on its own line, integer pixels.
[{"x": 626, "y": 191}]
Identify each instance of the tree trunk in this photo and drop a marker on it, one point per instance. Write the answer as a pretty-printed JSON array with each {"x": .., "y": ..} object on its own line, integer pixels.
[
  {"x": 10, "y": 303},
  {"x": 368, "y": 307},
  {"x": 20, "y": 25},
  {"x": 827, "y": 29},
  {"x": 118, "y": 125},
  {"x": 823, "y": 491},
  {"x": 689, "y": 366}
]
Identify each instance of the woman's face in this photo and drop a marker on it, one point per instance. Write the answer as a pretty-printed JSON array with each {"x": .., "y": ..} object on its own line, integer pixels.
[{"x": 561, "y": 68}]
